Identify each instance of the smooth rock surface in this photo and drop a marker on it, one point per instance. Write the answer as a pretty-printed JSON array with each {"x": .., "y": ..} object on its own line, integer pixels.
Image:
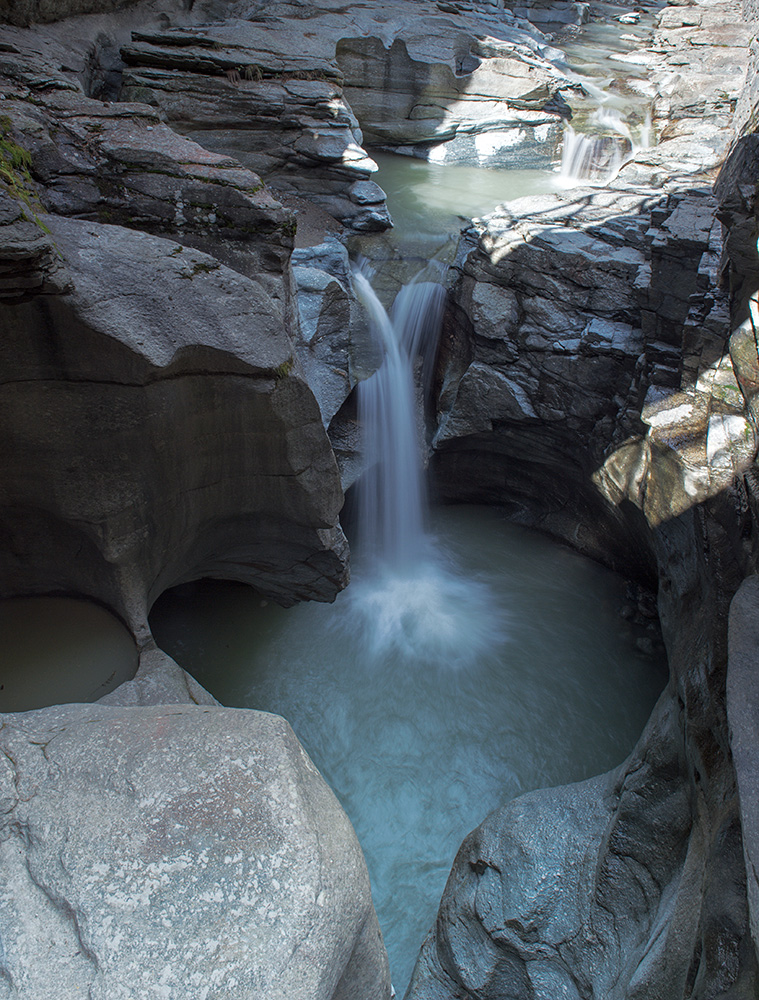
[
  {"x": 334, "y": 346},
  {"x": 560, "y": 886},
  {"x": 198, "y": 448},
  {"x": 175, "y": 852}
]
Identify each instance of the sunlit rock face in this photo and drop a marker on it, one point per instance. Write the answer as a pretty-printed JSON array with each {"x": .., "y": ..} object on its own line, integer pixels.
[
  {"x": 466, "y": 89},
  {"x": 598, "y": 316},
  {"x": 545, "y": 352},
  {"x": 267, "y": 92},
  {"x": 294, "y": 91},
  {"x": 164, "y": 852}
]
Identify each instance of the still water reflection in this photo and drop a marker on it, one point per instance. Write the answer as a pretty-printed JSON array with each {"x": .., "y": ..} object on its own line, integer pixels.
[{"x": 55, "y": 650}]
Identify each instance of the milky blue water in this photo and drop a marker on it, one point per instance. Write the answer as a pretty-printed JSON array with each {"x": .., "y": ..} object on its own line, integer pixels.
[{"x": 500, "y": 663}]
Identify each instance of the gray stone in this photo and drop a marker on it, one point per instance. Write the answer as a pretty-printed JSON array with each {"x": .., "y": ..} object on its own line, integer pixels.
[
  {"x": 743, "y": 716},
  {"x": 558, "y": 889},
  {"x": 472, "y": 85},
  {"x": 198, "y": 447},
  {"x": 120, "y": 164},
  {"x": 175, "y": 852},
  {"x": 26, "y": 12},
  {"x": 640, "y": 884},
  {"x": 159, "y": 681}
]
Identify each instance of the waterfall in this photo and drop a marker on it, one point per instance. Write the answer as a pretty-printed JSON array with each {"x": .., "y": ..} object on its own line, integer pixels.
[
  {"x": 593, "y": 158},
  {"x": 410, "y": 600},
  {"x": 392, "y": 497},
  {"x": 596, "y": 157}
]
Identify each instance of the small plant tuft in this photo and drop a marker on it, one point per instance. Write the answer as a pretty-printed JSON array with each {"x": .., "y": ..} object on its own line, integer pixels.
[
  {"x": 253, "y": 73},
  {"x": 15, "y": 173},
  {"x": 283, "y": 370}
]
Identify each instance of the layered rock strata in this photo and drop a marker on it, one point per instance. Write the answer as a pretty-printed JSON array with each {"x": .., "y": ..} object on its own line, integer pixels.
[
  {"x": 294, "y": 92},
  {"x": 640, "y": 883},
  {"x": 158, "y": 427},
  {"x": 632, "y": 885}
]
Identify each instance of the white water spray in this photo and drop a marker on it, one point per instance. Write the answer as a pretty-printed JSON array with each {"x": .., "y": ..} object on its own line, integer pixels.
[{"x": 596, "y": 156}]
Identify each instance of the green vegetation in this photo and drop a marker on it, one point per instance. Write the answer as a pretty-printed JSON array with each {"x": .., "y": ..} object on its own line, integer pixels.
[
  {"x": 283, "y": 370},
  {"x": 253, "y": 72},
  {"x": 15, "y": 173},
  {"x": 199, "y": 267}
]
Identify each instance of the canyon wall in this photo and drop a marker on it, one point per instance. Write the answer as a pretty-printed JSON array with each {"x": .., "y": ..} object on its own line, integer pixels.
[
  {"x": 624, "y": 319},
  {"x": 598, "y": 378}
]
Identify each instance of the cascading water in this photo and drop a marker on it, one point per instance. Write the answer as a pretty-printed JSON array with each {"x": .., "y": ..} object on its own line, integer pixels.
[
  {"x": 615, "y": 122},
  {"x": 392, "y": 491},
  {"x": 596, "y": 157},
  {"x": 467, "y": 662},
  {"x": 408, "y": 596}
]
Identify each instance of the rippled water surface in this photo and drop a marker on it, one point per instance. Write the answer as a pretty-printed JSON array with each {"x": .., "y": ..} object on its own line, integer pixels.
[{"x": 498, "y": 664}]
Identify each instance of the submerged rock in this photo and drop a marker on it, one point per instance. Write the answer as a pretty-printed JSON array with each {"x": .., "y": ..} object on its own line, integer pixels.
[{"x": 167, "y": 852}]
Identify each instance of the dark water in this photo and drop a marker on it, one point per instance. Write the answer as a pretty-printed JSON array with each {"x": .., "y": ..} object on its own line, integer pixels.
[
  {"x": 57, "y": 649},
  {"x": 499, "y": 664}
]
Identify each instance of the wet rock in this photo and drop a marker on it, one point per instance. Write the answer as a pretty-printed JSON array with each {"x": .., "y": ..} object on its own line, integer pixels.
[
  {"x": 159, "y": 681},
  {"x": 563, "y": 883},
  {"x": 332, "y": 345},
  {"x": 157, "y": 850},
  {"x": 548, "y": 289}
]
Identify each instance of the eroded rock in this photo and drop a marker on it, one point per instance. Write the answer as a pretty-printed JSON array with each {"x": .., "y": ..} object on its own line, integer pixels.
[
  {"x": 550, "y": 311},
  {"x": 198, "y": 447},
  {"x": 743, "y": 715},
  {"x": 161, "y": 850},
  {"x": 564, "y": 886},
  {"x": 643, "y": 887}
]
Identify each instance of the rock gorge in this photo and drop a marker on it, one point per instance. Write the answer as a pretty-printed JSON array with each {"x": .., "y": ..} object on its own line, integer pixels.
[{"x": 178, "y": 339}]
